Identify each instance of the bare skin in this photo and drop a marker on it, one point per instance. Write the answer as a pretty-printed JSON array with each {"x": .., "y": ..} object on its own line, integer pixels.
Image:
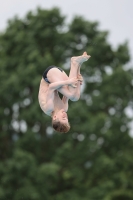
[
  {"x": 76, "y": 63},
  {"x": 72, "y": 92},
  {"x": 49, "y": 99}
]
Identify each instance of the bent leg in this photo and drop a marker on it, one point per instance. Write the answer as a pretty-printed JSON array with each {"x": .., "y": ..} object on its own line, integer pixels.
[
  {"x": 55, "y": 75},
  {"x": 76, "y": 63}
]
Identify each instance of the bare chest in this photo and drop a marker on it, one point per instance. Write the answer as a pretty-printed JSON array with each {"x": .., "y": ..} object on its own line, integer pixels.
[{"x": 58, "y": 103}]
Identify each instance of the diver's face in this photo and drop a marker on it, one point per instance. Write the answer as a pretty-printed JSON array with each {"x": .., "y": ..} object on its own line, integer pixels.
[{"x": 62, "y": 116}]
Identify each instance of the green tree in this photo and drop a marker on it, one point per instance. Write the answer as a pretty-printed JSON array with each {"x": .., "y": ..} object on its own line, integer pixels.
[{"x": 94, "y": 160}]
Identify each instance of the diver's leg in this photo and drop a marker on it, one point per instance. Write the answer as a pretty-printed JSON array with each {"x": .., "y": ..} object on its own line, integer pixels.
[{"x": 76, "y": 63}]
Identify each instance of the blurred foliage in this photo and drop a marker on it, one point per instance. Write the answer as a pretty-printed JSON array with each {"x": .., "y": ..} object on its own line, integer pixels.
[{"x": 94, "y": 160}]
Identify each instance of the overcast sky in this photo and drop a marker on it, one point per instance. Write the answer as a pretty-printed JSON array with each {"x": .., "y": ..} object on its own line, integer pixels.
[{"x": 116, "y": 16}]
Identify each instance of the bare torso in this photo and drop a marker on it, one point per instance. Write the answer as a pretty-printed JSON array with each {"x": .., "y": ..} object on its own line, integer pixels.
[{"x": 42, "y": 96}]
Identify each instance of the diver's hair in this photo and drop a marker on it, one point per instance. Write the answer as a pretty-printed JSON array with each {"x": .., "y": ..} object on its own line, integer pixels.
[{"x": 60, "y": 127}]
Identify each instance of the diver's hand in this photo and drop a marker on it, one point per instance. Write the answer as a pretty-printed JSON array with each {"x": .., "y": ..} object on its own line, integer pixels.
[
  {"x": 80, "y": 79},
  {"x": 73, "y": 82}
]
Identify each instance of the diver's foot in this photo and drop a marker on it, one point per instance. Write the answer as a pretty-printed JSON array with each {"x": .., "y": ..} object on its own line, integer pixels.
[{"x": 80, "y": 59}]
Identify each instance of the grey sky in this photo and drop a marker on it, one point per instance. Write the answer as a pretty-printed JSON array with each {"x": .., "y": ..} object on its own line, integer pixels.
[{"x": 113, "y": 15}]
